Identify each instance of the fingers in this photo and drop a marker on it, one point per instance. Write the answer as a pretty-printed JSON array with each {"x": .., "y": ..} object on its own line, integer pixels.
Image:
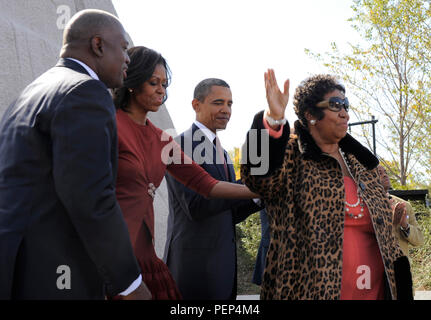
[
  {"x": 271, "y": 81},
  {"x": 272, "y": 78},
  {"x": 401, "y": 207},
  {"x": 400, "y": 212},
  {"x": 266, "y": 81},
  {"x": 286, "y": 87},
  {"x": 277, "y": 100}
]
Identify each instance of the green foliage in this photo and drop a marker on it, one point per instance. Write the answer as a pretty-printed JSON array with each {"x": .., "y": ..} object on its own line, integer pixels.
[
  {"x": 248, "y": 239},
  {"x": 250, "y": 234},
  {"x": 388, "y": 74},
  {"x": 421, "y": 256},
  {"x": 235, "y": 156}
]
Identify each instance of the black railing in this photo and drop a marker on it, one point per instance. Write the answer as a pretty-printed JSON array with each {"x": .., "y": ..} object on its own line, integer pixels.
[{"x": 373, "y": 121}]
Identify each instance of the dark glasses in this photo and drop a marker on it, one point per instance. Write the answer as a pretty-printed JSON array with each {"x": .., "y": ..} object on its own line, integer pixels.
[{"x": 334, "y": 104}]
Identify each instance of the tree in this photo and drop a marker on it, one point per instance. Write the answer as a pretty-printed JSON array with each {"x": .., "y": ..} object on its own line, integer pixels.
[
  {"x": 235, "y": 155},
  {"x": 389, "y": 75}
]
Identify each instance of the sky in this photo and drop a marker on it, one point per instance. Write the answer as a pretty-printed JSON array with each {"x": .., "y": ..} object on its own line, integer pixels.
[{"x": 237, "y": 41}]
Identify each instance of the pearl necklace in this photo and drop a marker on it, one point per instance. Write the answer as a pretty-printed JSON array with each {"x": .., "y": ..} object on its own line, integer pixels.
[{"x": 360, "y": 201}]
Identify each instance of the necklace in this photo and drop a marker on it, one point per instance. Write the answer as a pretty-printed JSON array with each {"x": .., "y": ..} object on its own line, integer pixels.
[{"x": 359, "y": 202}]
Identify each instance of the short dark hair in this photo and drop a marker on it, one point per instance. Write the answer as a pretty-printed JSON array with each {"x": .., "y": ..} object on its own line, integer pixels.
[
  {"x": 203, "y": 89},
  {"x": 87, "y": 23},
  {"x": 310, "y": 92},
  {"x": 143, "y": 61}
]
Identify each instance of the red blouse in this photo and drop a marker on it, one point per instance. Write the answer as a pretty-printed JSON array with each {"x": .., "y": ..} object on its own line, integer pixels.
[
  {"x": 140, "y": 151},
  {"x": 140, "y": 163},
  {"x": 363, "y": 270}
]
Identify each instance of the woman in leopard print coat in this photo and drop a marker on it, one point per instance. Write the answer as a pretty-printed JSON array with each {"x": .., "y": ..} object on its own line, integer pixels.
[{"x": 305, "y": 190}]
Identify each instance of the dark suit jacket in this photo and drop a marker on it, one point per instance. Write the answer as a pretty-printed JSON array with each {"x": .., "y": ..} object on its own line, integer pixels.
[
  {"x": 259, "y": 266},
  {"x": 58, "y": 163},
  {"x": 201, "y": 246}
]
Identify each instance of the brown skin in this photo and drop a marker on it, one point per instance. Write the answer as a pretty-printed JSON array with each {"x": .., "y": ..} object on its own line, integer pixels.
[
  {"x": 326, "y": 132},
  {"x": 227, "y": 190},
  {"x": 384, "y": 178},
  {"x": 399, "y": 209},
  {"x": 105, "y": 53},
  {"x": 149, "y": 96},
  {"x": 215, "y": 111}
]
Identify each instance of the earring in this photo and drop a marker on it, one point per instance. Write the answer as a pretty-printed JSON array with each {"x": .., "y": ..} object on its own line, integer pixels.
[
  {"x": 130, "y": 90},
  {"x": 312, "y": 122}
]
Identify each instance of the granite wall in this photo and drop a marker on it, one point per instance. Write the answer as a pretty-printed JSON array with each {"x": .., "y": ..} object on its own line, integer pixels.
[{"x": 30, "y": 42}]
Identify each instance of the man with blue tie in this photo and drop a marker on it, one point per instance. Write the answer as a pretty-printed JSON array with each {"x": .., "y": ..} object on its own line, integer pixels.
[{"x": 201, "y": 246}]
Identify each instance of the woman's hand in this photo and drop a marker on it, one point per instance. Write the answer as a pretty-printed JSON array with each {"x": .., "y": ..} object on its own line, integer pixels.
[
  {"x": 141, "y": 293},
  {"x": 227, "y": 190},
  {"x": 277, "y": 100},
  {"x": 399, "y": 213}
]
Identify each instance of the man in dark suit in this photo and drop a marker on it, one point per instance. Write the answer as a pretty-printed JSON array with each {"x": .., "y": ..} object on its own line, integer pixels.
[
  {"x": 62, "y": 233},
  {"x": 201, "y": 248}
]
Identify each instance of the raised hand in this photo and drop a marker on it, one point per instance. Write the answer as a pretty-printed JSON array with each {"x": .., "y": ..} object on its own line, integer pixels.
[{"x": 277, "y": 100}]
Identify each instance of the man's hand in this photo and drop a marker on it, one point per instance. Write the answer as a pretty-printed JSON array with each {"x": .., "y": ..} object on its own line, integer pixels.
[{"x": 141, "y": 293}]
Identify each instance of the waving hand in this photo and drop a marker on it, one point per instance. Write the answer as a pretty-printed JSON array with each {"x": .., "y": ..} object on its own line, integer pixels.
[{"x": 277, "y": 100}]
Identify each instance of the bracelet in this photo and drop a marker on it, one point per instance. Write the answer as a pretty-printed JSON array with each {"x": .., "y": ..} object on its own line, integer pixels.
[
  {"x": 406, "y": 230},
  {"x": 273, "y": 122}
]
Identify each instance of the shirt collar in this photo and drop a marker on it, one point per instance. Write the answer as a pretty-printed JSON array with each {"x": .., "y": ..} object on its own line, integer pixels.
[
  {"x": 87, "y": 68},
  {"x": 210, "y": 135}
]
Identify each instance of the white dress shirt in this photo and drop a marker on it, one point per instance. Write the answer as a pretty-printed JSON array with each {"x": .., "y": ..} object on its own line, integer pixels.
[{"x": 211, "y": 135}]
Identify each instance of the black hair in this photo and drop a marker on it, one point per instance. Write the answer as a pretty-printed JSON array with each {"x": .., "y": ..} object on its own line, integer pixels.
[
  {"x": 87, "y": 23},
  {"x": 203, "y": 89},
  {"x": 310, "y": 92},
  {"x": 143, "y": 61}
]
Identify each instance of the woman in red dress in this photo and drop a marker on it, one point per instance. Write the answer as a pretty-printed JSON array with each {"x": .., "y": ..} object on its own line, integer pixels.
[{"x": 141, "y": 167}]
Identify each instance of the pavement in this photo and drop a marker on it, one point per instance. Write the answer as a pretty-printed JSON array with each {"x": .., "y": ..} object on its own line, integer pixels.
[
  {"x": 423, "y": 295},
  {"x": 419, "y": 295}
]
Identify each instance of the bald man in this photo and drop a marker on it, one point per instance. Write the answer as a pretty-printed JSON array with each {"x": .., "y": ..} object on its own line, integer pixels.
[{"x": 62, "y": 233}]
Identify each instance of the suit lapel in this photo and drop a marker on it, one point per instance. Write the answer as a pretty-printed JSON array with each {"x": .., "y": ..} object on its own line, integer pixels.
[
  {"x": 231, "y": 170},
  {"x": 203, "y": 143}
]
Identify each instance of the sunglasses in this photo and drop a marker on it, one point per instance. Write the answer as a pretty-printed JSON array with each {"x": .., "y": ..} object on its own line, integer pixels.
[{"x": 334, "y": 104}]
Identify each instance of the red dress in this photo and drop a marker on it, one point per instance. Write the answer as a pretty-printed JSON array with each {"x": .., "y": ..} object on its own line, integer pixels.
[
  {"x": 140, "y": 163},
  {"x": 363, "y": 270}
]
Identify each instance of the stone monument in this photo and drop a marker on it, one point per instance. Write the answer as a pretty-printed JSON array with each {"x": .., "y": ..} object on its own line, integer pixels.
[{"x": 30, "y": 41}]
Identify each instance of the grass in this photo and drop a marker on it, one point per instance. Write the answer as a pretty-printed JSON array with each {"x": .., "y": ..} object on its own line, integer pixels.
[
  {"x": 248, "y": 238},
  {"x": 421, "y": 256}
]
